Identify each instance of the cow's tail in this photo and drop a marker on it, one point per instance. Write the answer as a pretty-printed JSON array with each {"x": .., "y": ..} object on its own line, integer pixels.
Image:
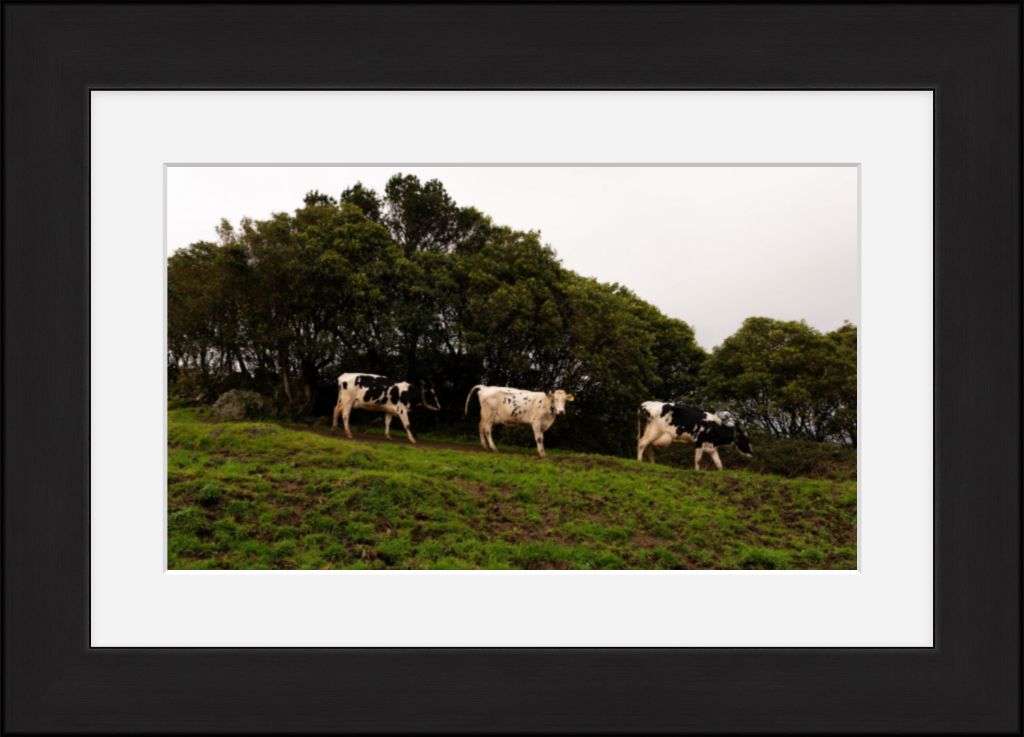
[
  {"x": 642, "y": 418},
  {"x": 469, "y": 396}
]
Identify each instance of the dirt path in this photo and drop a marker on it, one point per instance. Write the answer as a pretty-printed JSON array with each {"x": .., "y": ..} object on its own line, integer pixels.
[{"x": 396, "y": 438}]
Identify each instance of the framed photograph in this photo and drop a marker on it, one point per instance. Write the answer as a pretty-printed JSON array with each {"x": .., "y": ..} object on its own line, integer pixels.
[{"x": 512, "y": 368}]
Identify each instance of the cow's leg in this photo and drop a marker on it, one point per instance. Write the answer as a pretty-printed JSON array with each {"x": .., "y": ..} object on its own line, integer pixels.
[
  {"x": 346, "y": 410},
  {"x": 538, "y": 435},
  {"x": 697, "y": 456},
  {"x": 650, "y": 453},
  {"x": 403, "y": 415},
  {"x": 334, "y": 419},
  {"x": 387, "y": 425},
  {"x": 643, "y": 445},
  {"x": 716, "y": 459},
  {"x": 486, "y": 428}
]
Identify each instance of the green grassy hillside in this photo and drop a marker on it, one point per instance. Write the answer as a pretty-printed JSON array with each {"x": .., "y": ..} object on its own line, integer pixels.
[{"x": 259, "y": 495}]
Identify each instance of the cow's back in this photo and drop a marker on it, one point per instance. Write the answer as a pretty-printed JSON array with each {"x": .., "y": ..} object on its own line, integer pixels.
[
  {"x": 693, "y": 424},
  {"x": 496, "y": 398},
  {"x": 348, "y": 380},
  {"x": 507, "y": 405},
  {"x": 366, "y": 388},
  {"x": 668, "y": 417}
]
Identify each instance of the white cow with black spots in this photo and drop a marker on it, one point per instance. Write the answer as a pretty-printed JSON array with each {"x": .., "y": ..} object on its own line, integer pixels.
[
  {"x": 381, "y": 394},
  {"x": 659, "y": 424},
  {"x": 502, "y": 405}
]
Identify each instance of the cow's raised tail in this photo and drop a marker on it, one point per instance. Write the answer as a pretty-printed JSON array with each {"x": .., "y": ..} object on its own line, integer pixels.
[{"x": 469, "y": 396}]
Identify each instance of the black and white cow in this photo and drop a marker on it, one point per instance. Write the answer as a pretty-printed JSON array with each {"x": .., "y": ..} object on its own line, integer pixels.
[
  {"x": 659, "y": 424},
  {"x": 503, "y": 405},
  {"x": 380, "y": 394}
]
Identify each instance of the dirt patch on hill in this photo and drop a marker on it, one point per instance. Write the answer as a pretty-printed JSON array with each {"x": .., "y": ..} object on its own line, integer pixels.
[{"x": 398, "y": 438}]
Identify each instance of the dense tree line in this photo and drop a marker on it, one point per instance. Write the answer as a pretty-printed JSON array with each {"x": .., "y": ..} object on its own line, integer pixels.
[{"x": 409, "y": 284}]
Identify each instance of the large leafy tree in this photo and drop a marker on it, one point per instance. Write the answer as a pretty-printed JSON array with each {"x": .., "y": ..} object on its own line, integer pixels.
[{"x": 789, "y": 378}]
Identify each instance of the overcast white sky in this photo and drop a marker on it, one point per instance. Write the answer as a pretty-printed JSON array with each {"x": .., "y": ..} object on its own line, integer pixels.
[{"x": 709, "y": 245}]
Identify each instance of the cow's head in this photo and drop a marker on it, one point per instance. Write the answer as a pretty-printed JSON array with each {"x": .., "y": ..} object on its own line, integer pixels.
[
  {"x": 742, "y": 443},
  {"x": 558, "y": 400},
  {"x": 427, "y": 396}
]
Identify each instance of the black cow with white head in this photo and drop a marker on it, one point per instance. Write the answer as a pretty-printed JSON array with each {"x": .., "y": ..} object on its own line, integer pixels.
[
  {"x": 659, "y": 424},
  {"x": 381, "y": 394}
]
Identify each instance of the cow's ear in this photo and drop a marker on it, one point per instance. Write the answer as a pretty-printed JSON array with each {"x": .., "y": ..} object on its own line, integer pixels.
[{"x": 570, "y": 398}]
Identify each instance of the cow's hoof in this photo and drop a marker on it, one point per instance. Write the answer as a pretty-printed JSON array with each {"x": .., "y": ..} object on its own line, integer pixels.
[{"x": 348, "y": 435}]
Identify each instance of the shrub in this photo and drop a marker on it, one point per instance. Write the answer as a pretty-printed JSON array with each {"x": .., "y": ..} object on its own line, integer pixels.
[
  {"x": 764, "y": 558},
  {"x": 283, "y": 549},
  {"x": 188, "y": 519},
  {"x": 209, "y": 494}
]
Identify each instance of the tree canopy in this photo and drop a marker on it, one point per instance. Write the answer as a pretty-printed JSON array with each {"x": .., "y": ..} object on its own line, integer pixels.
[{"x": 788, "y": 378}]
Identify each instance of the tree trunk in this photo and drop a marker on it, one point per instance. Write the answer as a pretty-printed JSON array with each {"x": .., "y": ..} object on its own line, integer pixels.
[
  {"x": 309, "y": 377},
  {"x": 282, "y": 360},
  {"x": 241, "y": 365}
]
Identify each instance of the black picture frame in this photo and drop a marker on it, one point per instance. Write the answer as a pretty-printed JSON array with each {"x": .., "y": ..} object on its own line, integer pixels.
[{"x": 54, "y": 54}]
